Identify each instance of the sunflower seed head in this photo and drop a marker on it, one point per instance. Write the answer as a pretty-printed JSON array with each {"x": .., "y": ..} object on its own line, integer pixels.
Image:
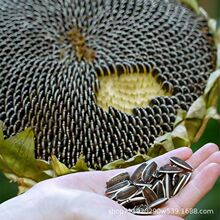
[
  {"x": 59, "y": 60},
  {"x": 179, "y": 162}
]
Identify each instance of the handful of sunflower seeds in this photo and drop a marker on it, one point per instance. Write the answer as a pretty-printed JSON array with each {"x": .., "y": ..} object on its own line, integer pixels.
[{"x": 149, "y": 186}]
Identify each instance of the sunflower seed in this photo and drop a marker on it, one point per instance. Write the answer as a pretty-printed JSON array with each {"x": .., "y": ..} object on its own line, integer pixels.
[
  {"x": 117, "y": 179},
  {"x": 117, "y": 187},
  {"x": 149, "y": 186},
  {"x": 133, "y": 202},
  {"x": 139, "y": 192},
  {"x": 136, "y": 176},
  {"x": 112, "y": 196},
  {"x": 141, "y": 210},
  {"x": 170, "y": 169},
  {"x": 179, "y": 162},
  {"x": 182, "y": 182},
  {"x": 157, "y": 202},
  {"x": 126, "y": 193},
  {"x": 167, "y": 184},
  {"x": 175, "y": 179},
  {"x": 157, "y": 174},
  {"x": 125, "y": 203},
  {"x": 154, "y": 184},
  {"x": 147, "y": 174},
  {"x": 187, "y": 179},
  {"x": 160, "y": 190},
  {"x": 149, "y": 195},
  {"x": 142, "y": 184}
]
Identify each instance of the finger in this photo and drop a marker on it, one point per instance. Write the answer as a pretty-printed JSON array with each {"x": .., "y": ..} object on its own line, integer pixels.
[
  {"x": 202, "y": 154},
  {"x": 214, "y": 158},
  {"x": 196, "y": 189}
]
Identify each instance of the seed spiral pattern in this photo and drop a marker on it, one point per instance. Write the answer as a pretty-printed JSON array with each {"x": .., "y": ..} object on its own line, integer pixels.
[{"x": 44, "y": 83}]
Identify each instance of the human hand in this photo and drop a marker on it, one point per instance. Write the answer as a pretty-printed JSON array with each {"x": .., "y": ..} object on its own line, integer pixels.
[{"x": 81, "y": 195}]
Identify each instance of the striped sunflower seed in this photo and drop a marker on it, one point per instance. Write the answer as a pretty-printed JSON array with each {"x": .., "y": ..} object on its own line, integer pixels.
[
  {"x": 126, "y": 193},
  {"x": 175, "y": 179},
  {"x": 141, "y": 210},
  {"x": 159, "y": 189},
  {"x": 179, "y": 162},
  {"x": 157, "y": 174},
  {"x": 184, "y": 179},
  {"x": 147, "y": 174},
  {"x": 149, "y": 195},
  {"x": 170, "y": 169},
  {"x": 167, "y": 185},
  {"x": 117, "y": 179},
  {"x": 117, "y": 187},
  {"x": 136, "y": 176},
  {"x": 157, "y": 202},
  {"x": 133, "y": 202},
  {"x": 112, "y": 195}
]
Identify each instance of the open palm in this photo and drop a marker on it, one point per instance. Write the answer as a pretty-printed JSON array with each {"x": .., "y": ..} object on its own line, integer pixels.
[{"x": 81, "y": 195}]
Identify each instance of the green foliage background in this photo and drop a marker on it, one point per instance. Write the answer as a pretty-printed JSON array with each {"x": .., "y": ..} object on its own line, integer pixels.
[{"x": 212, "y": 134}]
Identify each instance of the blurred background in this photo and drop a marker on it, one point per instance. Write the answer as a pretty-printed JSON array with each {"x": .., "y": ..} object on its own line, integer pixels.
[{"x": 212, "y": 134}]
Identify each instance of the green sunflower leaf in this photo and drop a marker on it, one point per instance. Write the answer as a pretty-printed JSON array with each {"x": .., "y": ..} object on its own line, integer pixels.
[
  {"x": 197, "y": 109},
  {"x": 180, "y": 136},
  {"x": 137, "y": 159},
  {"x": 161, "y": 145},
  {"x": 80, "y": 165},
  {"x": 58, "y": 167},
  {"x": 17, "y": 157}
]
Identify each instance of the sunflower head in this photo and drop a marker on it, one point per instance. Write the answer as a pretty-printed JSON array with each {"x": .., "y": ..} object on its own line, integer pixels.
[{"x": 102, "y": 84}]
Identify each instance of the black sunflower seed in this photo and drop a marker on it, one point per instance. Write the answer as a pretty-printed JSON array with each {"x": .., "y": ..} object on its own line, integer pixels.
[
  {"x": 157, "y": 202},
  {"x": 177, "y": 161},
  {"x": 126, "y": 193},
  {"x": 117, "y": 187},
  {"x": 118, "y": 178},
  {"x": 147, "y": 174},
  {"x": 149, "y": 195},
  {"x": 136, "y": 176},
  {"x": 170, "y": 169}
]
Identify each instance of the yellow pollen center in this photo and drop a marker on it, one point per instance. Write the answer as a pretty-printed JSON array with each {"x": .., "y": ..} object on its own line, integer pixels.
[{"x": 128, "y": 91}]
